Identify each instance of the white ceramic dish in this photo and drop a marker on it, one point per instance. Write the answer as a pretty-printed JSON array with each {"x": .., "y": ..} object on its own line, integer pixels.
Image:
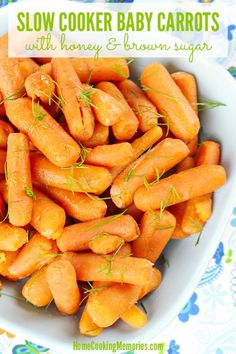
[{"x": 187, "y": 262}]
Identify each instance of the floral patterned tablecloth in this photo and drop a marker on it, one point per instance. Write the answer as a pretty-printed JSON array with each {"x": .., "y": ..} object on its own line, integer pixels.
[{"x": 207, "y": 324}]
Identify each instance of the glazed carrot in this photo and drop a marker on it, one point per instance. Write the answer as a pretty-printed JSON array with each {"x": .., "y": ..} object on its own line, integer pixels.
[
  {"x": 20, "y": 202},
  {"x": 178, "y": 211},
  {"x": 121, "y": 296},
  {"x": 208, "y": 153},
  {"x": 180, "y": 187},
  {"x": 44, "y": 132},
  {"x": 40, "y": 85},
  {"x": 134, "y": 212},
  {"x": 144, "y": 109},
  {"x": 76, "y": 101},
  {"x": 46, "y": 68},
  {"x": 135, "y": 317},
  {"x": 124, "y": 251},
  {"x": 38, "y": 252},
  {"x": 156, "y": 229},
  {"x": 12, "y": 237},
  {"x": 99, "y": 69},
  {"x": 48, "y": 218},
  {"x": 154, "y": 282},
  {"x": 187, "y": 163},
  {"x": 6, "y": 259},
  {"x": 77, "y": 237},
  {"x": 105, "y": 243},
  {"x": 36, "y": 289},
  {"x": 80, "y": 206},
  {"x": 171, "y": 103},
  {"x": 188, "y": 86},
  {"x": 12, "y": 79},
  {"x": 140, "y": 145},
  {"x": 92, "y": 267},
  {"x": 5, "y": 130},
  {"x": 87, "y": 326},
  {"x": 127, "y": 124},
  {"x": 193, "y": 145},
  {"x": 27, "y": 66},
  {"x": 61, "y": 278},
  {"x": 110, "y": 155},
  {"x": 147, "y": 168},
  {"x": 89, "y": 179},
  {"x": 100, "y": 136}
]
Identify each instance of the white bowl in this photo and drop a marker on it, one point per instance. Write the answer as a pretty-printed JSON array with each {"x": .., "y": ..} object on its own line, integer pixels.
[{"x": 187, "y": 261}]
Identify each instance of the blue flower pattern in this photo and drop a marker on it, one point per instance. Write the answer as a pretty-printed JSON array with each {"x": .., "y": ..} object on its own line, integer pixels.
[
  {"x": 173, "y": 347},
  {"x": 189, "y": 309}
]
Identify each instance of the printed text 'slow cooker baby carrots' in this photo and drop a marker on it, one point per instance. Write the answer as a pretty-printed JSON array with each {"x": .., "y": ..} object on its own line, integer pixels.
[
  {"x": 75, "y": 100},
  {"x": 147, "y": 168},
  {"x": 127, "y": 124},
  {"x": 144, "y": 109},
  {"x": 180, "y": 187},
  {"x": 61, "y": 278},
  {"x": 88, "y": 178},
  {"x": 44, "y": 132},
  {"x": 40, "y": 85},
  {"x": 20, "y": 202},
  {"x": 12, "y": 237},
  {"x": 77, "y": 237},
  {"x": 170, "y": 102}
]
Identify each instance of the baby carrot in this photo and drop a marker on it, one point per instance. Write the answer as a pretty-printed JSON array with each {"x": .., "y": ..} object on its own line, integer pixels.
[
  {"x": 154, "y": 282},
  {"x": 127, "y": 124},
  {"x": 100, "y": 136},
  {"x": 105, "y": 243},
  {"x": 76, "y": 101},
  {"x": 2, "y": 208},
  {"x": 170, "y": 101},
  {"x": 12, "y": 79},
  {"x": 20, "y": 202},
  {"x": 86, "y": 178},
  {"x": 28, "y": 66},
  {"x": 92, "y": 267},
  {"x": 12, "y": 237},
  {"x": 144, "y": 109},
  {"x": 99, "y": 69},
  {"x": 188, "y": 86},
  {"x": 156, "y": 228},
  {"x": 44, "y": 132},
  {"x": 87, "y": 326},
  {"x": 135, "y": 317},
  {"x": 180, "y": 187},
  {"x": 46, "y": 68},
  {"x": 121, "y": 296},
  {"x": 178, "y": 211},
  {"x": 80, "y": 206},
  {"x": 3, "y": 157},
  {"x": 124, "y": 251},
  {"x": 38, "y": 252},
  {"x": 187, "y": 163},
  {"x": 3, "y": 190},
  {"x": 134, "y": 212},
  {"x": 61, "y": 278},
  {"x": 5, "y": 130},
  {"x": 48, "y": 218},
  {"x": 208, "y": 153},
  {"x": 77, "y": 237},
  {"x": 193, "y": 145},
  {"x": 6, "y": 259},
  {"x": 110, "y": 155},
  {"x": 146, "y": 169},
  {"x": 40, "y": 85},
  {"x": 36, "y": 289}
]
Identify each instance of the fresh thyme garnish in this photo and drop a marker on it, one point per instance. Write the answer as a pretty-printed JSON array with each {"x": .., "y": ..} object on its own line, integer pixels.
[
  {"x": 92, "y": 290},
  {"x": 37, "y": 113},
  {"x": 13, "y": 96},
  {"x": 205, "y": 105},
  {"x": 107, "y": 269},
  {"x": 199, "y": 237},
  {"x": 85, "y": 97},
  {"x": 143, "y": 307},
  {"x": 29, "y": 192},
  {"x": 106, "y": 221},
  {"x": 164, "y": 204}
]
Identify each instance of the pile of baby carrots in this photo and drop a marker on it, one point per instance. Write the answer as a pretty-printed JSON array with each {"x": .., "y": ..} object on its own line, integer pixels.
[{"x": 97, "y": 174}]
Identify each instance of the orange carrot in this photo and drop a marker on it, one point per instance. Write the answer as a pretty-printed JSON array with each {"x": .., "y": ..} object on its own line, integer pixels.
[
  {"x": 134, "y": 212},
  {"x": 180, "y": 187},
  {"x": 92, "y": 267},
  {"x": 87, "y": 326},
  {"x": 76, "y": 101},
  {"x": 89, "y": 179},
  {"x": 3, "y": 190},
  {"x": 46, "y": 68},
  {"x": 208, "y": 153},
  {"x": 99, "y": 69},
  {"x": 44, "y": 132},
  {"x": 80, "y": 206},
  {"x": 61, "y": 278},
  {"x": 187, "y": 163},
  {"x": 12, "y": 237},
  {"x": 100, "y": 136},
  {"x": 20, "y": 202},
  {"x": 40, "y": 85},
  {"x": 38, "y": 252},
  {"x": 193, "y": 145},
  {"x": 77, "y": 237},
  {"x": 135, "y": 317},
  {"x": 156, "y": 228},
  {"x": 2, "y": 107},
  {"x": 154, "y": 282},
  {"x": 171, "y": 103},
  {"x": 121, "y": 296},
  {"x": 188, "y": 86},
  {"x": 36, "y": 290},
  {"x": 124, "y": 251},
  {"x": 105, "y": 243},
  {"x": 6, "y": 259},
  {"x": 12, "y": 79},
  {"x": 5, "y": 130},
  {"x": 178, "y": 211},
  {"x": 127, "y": 124},
  {"x": 110, "y": 155},
  {"x": 2, "y": 209},
  {"x": 146, "y": 169},
  {"x": 145, "y": 111},
  {"x": 3, "y": 157},
  {"x": 27, "y": 66}
]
